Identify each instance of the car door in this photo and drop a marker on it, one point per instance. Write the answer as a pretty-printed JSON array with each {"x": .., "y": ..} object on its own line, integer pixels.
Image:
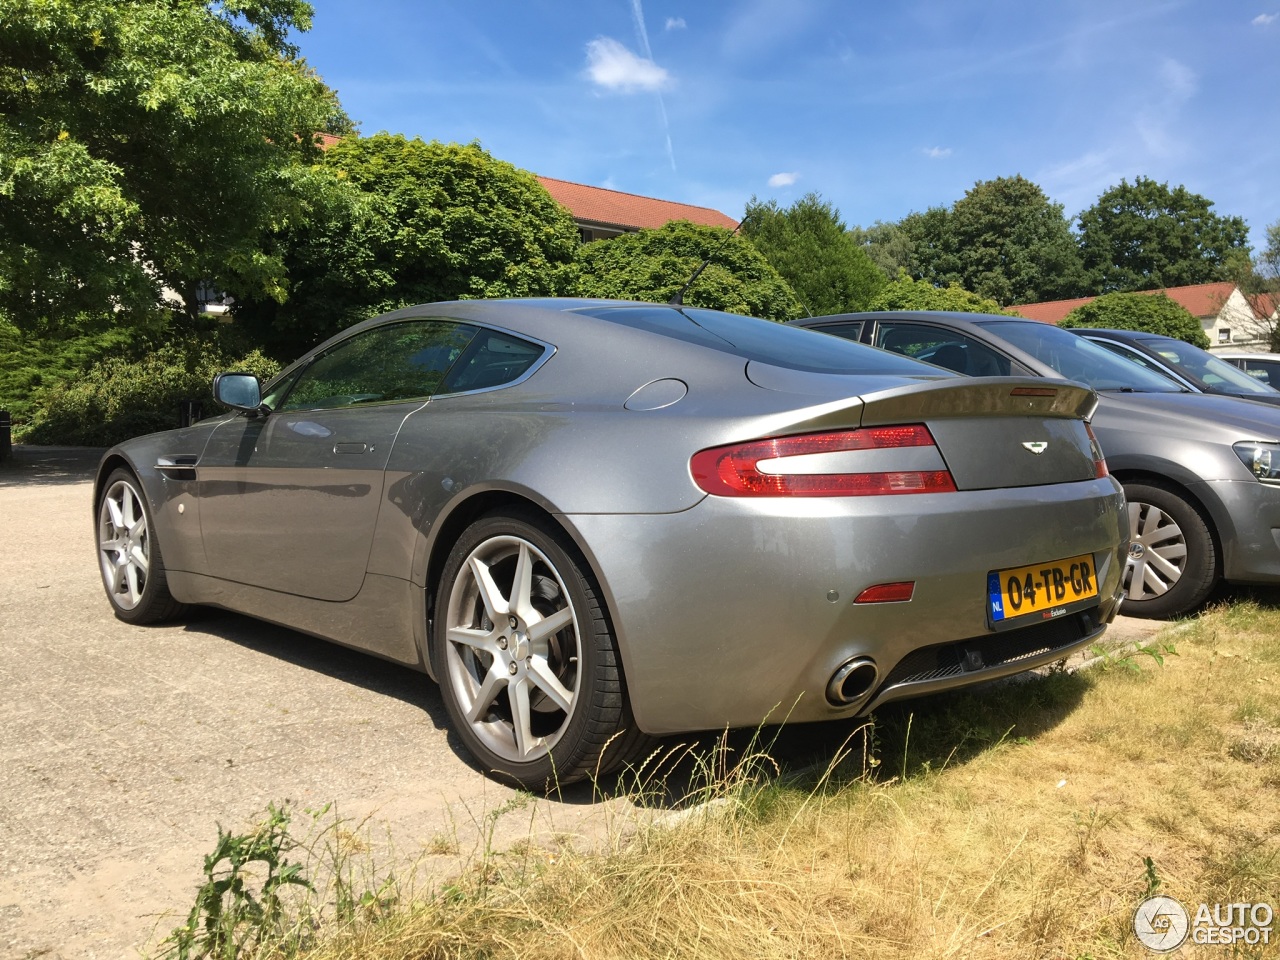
[{"x": 290, "y": 499}]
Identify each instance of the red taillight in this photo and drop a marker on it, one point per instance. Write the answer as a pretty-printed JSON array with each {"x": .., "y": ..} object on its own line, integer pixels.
[
  {"x": 734, "y": 471},
  {"x": 887, "y": 593},
  {"x": 1099, "y": 461}
]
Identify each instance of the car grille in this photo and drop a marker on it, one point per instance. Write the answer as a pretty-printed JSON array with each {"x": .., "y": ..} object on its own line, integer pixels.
[{"x": 994, "y": 650}]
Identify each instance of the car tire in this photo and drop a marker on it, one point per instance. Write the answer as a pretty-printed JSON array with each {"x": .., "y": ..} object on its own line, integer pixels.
[
  {"x": 1173, "y": 561},
  {"x": 526, "y": 658},
  {"x": 129, "y": 556}
]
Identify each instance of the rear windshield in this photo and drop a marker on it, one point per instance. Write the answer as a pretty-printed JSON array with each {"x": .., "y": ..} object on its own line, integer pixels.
[{"x": 764, "y": 341}]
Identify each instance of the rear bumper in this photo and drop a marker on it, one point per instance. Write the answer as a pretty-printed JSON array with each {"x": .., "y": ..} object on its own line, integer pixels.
[{"x": 738, "y": 612}]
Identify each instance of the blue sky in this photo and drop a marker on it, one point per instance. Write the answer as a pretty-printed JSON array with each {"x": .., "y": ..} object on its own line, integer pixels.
[{"x": 882, "y": 108}]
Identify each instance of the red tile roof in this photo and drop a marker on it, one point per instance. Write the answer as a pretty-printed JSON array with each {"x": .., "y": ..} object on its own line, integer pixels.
[
  {"x": 1201, "y": 299},
  {"x": 617, "y": 209}
]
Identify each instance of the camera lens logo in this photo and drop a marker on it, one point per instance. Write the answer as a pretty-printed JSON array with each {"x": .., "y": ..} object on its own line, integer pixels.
[{"x": 1161, "y": 924}]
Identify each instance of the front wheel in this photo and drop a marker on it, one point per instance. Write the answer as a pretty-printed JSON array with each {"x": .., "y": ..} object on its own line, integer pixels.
[
  {"x": 526, "y": 658},
  {"x": 1173, "y": 563},
  {"x": 129, "y": 554}
]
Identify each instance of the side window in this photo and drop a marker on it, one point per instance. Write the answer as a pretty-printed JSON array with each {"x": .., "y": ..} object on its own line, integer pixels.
[
  {"x": 943, "y": 348},
  {"x": 398, "y": 361},
  {"x": 491, "y": 360},
  {"x": 1265, "y": 372},
  {"x": 850, "y": 330}
]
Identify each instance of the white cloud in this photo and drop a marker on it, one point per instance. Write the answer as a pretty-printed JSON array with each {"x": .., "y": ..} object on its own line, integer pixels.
[
  {"x": 1264, "y": 19},
  {"x": 1179, "y": 79},
  {"x": 783, "y": 179},
  {"x": 611, "y": 65},
  {"x": 676, "y": 23},
  {"x": 937, "y": 153}
]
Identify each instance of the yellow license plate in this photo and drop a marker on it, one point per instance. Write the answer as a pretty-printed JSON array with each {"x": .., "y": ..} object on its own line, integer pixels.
[{"x": 1041, "y": 587}]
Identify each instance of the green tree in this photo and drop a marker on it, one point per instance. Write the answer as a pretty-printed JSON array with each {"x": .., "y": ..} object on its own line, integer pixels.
[
  {"x": 1149, "y": 312},
  {"x": 652, "y": 265},
  {"x": 1144, "y": 236},
  {"x": 424, "y": 222},
  {"x": 908, "y": 294},
  {"x": 1003, "y": 240},
  {"x": 1259, "y": 280},
  {"x": 889, "y": 245},
  {"x": 810, "y": 247},
  {"x": 149, "y": 144}
]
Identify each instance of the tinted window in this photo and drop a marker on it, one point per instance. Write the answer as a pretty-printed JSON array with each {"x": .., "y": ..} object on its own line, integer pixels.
[
  {"x": 942, "y": 347},
  {"x": 490, "y": 360},
  {"x": 762, "y": 340},
  {"x": 1076, "y": 358},
  {"x": 1266, "y": 371},
  {"x": 399, "y": 361},
  {"x": 849, "y": 329}
]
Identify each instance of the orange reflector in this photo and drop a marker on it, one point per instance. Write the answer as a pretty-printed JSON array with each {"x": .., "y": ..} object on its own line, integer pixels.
[{"x": 887, "y": 593}]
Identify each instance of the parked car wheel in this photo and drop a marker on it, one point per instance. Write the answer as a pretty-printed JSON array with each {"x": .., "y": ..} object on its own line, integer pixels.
[
  {"x": 129, "y": 555},
  {"x": 1173, "y": 563},
  {"x": 526, "y": 657}
]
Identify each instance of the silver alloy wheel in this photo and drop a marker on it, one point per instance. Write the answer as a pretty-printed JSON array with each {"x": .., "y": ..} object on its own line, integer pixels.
[
  {"x": 513, "y": 648},
  {"x": 124, "y": 546},
  {"x": 1157, "y": 552}
]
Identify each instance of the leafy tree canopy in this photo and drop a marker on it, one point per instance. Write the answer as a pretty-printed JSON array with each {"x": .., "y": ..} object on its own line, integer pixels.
[
  {"x": 889, "y": 245},
  {"x": 652, "y": 265},
  {"x": 811, "y": 249},
  {"x": 1149, "y": 312},
  {"x": 908, "y": 294},
  {"x": 425, "y": 222},
  {"x": 146, "y": 144},
  {"x": 1143, "y": 235},
  {"x": 1004, "y": 240}
]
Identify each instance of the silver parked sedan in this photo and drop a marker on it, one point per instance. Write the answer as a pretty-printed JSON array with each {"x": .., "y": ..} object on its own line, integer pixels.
[
  {"x": 1201, "y": 471},
  {"x": 594, "y": 521}
]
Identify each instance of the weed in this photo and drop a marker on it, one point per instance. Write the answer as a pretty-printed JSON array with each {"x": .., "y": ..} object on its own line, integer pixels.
[
  {"x": 227, "y": 917},
  {"x": 1127, "y": 656},
  {"x": 1151, "y": 878}
]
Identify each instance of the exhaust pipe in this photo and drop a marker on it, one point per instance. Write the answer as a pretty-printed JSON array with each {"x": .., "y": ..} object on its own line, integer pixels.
[{"x": 853, "y": 681}]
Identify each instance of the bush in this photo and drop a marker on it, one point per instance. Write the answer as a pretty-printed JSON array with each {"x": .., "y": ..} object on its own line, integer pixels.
[
  {"x": 907, "y": 294},
  {"x": 31, "y": 365},
  {"x": 1148, "y": 312},
  {"x": 118, "y": 399}
]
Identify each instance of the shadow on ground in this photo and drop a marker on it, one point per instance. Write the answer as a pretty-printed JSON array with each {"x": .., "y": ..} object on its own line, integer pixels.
[
  {"x": 899, "y": 740},
  {"x": 46, "y": 466}
]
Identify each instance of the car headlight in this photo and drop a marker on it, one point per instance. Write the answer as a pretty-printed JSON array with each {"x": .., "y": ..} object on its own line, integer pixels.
[{"x": 1262, "y": 459}]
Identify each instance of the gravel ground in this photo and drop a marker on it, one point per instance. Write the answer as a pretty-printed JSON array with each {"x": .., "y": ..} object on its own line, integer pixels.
[{"x": 122, "y": 748}]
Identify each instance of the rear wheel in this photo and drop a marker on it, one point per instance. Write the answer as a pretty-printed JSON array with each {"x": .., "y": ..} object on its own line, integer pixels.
[
  {"x": 526, "y": 658},
  {"x": 129, "y": 555},
  {"x": 1173, "y": 563}
]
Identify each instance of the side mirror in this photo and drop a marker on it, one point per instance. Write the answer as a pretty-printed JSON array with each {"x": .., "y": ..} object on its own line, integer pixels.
[{"x": 239, "y": 391}]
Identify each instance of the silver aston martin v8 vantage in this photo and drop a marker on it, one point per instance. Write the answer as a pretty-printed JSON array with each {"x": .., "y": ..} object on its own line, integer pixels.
[{"x": 593, "y": 522}]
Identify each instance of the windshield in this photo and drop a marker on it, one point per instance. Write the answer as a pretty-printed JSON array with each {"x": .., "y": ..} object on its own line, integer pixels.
[
  {"x": 1079, "y": 359},
  {"x": 1218, "y": 375}
]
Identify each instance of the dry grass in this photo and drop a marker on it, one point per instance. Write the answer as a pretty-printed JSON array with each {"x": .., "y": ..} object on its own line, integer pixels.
[{"x": 1012, "y": 822}]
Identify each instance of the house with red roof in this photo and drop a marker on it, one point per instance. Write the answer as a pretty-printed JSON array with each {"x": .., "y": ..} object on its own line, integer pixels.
[
  {"x": 1231, "y": 319},
  {"x": 601, "y": 213}
]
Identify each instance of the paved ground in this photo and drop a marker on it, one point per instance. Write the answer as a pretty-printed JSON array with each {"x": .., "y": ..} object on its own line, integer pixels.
[{"x": 121, "y": 748}]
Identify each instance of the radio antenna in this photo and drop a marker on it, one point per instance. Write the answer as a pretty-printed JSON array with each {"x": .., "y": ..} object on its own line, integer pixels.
[{"x": 677, "y": 298}]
